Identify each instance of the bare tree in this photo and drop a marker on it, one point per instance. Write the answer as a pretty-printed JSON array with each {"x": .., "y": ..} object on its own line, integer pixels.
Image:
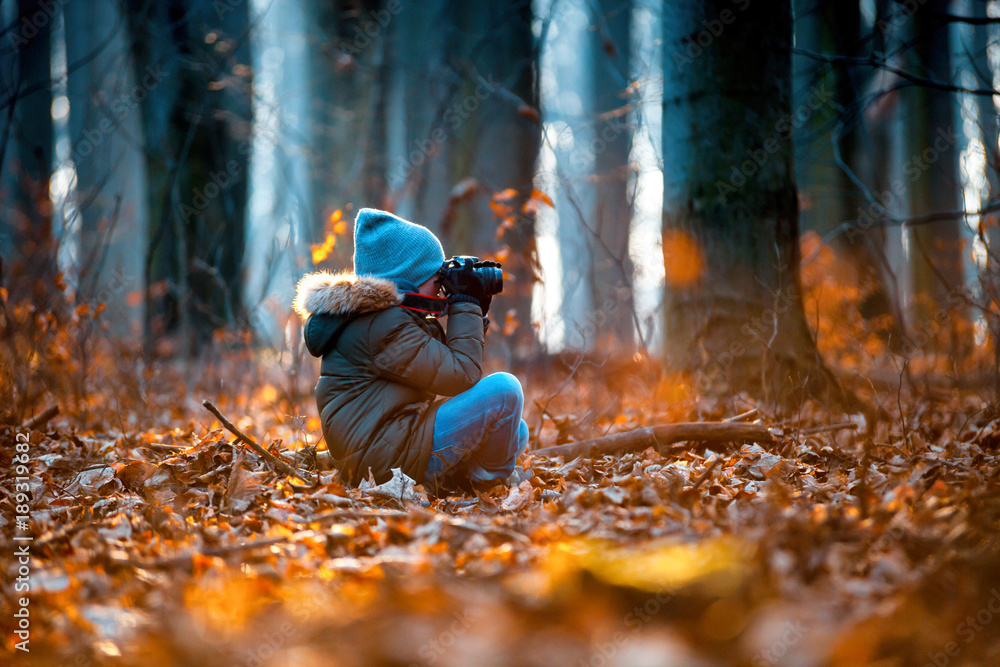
[{"x": 733, "y": 304}]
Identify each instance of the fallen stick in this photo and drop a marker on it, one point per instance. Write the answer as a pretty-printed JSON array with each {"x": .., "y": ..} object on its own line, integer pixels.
[
  {"x": 217, "y": 551},
  {"x": 268, "y": 456},
  {"x": 831, "y": 427},
  {"x": 40, "y": 420},
  {"x": 703, "y": 477},
  {"x": 358, "y": 513},
  {"x": 743, "y": 415},
  {"x": 664, "y": 434}
]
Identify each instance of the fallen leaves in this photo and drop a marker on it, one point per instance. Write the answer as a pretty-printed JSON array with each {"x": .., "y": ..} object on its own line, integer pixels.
[{"x": 182, "y": 544}]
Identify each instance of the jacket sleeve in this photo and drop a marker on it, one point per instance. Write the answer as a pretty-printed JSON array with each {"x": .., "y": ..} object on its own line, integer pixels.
[{"x": 404, "y": 352}]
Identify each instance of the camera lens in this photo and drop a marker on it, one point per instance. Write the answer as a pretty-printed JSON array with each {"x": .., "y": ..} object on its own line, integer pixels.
[{"x": 492, "y": 278}]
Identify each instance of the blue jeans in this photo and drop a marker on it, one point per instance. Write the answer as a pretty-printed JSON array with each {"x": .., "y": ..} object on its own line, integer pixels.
[{"x": 481, "y": 427}]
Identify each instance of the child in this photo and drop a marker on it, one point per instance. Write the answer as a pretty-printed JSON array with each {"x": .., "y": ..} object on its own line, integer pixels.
[{"x": 385, "y": 360}]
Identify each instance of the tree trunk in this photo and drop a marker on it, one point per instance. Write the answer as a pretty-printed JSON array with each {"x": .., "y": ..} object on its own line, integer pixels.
[
  {"x": 26, "y": 153},
  {"x": 935, "y": 249},
  {"x": 838, "y": 148},
  {"x": 733, "y": 304},
  {"x": 196, "y": 123},
  {"x": 464, "y": 96},
  {"x": 110, "y": 221},
  {"x": 611, "y": 267},
  {"x": 282, "y": 192}
]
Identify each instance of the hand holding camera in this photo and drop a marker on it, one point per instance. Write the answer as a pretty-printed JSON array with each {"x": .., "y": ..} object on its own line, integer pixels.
[{"x": 467, "y": 276}]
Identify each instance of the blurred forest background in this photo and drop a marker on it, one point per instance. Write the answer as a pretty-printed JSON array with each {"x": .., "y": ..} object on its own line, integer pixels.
[
  {"x": 719, "y": 186},
  {"x": 783, "y": 212}
]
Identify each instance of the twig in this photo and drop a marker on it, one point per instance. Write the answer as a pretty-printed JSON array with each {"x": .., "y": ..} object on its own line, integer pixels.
[
  {"x": 222, "y": 550},
  {"x": 468, "y": 524},
  {"x": 830, "y": 427},
  {"x": 663, "y": 434},
  {"x": 349, "y": 513},
  {"x": 703, "y": 477},
  {"x": 40, "y": 420},
  {"x": 743, "y": 415},
  {"x": 268, "y": 456}
]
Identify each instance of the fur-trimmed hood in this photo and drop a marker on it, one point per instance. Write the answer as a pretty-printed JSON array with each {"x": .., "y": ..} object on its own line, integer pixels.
[
  {"x": 343, "y": 293},
  {"x": 329, "y": 301}
]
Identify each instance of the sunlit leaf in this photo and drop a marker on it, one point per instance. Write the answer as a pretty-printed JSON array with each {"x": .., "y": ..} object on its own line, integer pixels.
[{"x": 682, "y": 258}]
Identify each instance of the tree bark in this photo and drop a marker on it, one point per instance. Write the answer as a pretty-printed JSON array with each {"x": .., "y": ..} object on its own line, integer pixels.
[
  {"x": 664, "y": 434},
  {"x": 196, "y": 122},
  {"x": 26, "y": 157},
  {"x": 935, "y": 249},
  {"x": 109, "y": 222},
  {"x": 611, "y": 267},
  {"x": 465, "y": 98},
  {"x": 733, "y": 303}
]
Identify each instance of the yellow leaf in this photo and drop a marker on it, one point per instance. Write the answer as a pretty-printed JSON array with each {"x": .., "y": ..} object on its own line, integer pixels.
[{"x": 320, "y": 252}]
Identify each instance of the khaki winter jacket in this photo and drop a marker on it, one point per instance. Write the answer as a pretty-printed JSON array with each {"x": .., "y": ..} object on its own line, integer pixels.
[{"x": 382, "y": 369}]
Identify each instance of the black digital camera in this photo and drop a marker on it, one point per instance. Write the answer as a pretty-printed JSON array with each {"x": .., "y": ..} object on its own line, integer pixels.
[{"x": 492, "y": 276}]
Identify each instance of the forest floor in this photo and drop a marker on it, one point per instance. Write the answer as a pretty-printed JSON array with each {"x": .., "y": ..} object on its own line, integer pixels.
[{"x": 158, "y": 539}]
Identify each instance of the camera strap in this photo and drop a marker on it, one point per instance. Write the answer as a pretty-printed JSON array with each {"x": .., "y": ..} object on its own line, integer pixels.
[{"x": 428, "y": 305}]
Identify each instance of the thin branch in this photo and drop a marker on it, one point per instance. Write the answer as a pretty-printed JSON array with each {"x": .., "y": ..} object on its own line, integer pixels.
[{"x": 268, "y": 456}]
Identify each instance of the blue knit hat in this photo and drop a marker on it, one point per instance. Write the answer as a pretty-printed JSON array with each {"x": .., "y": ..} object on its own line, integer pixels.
[{"x": 389, "y": 247}]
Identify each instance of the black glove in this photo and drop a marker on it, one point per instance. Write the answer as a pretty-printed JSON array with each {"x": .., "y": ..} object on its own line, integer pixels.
[{"x": 467, "y": 283}]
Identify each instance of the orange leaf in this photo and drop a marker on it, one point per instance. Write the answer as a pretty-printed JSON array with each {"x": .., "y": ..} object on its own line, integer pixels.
[
  {"x": 505, "y": 195},
  {"x": 544, "y": 198},
  {"x": 682, "y": 258},
  {"x": 499, "y": 210},
  {"x": 529, "y": 112},
  {"x": 505, "y": 224}
]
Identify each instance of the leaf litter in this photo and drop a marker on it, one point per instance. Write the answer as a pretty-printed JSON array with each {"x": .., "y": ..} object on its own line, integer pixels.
[{"x": 182, "y": 546}]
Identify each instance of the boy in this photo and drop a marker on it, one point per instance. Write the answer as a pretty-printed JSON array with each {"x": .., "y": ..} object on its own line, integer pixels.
[{"x": 385, "y": 361}]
